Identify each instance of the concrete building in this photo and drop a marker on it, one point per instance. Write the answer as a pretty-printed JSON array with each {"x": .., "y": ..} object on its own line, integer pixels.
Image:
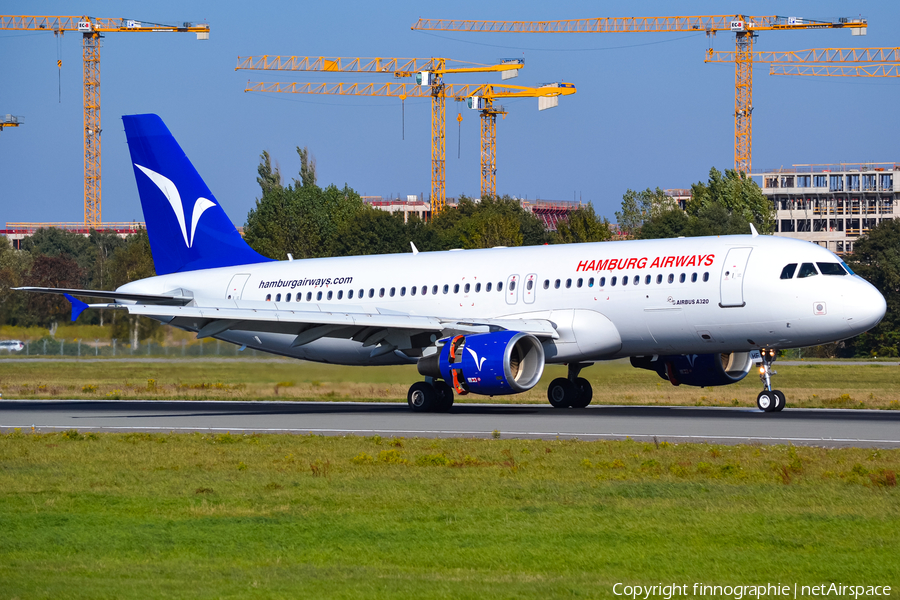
[
  {"x": 832, "y": 205},
  {"x": 16, "y": 232}
]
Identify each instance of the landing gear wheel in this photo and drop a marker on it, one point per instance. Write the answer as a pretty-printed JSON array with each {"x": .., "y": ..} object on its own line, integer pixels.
[
  {"x": 766, "y": 401},
  {"x": 585, "y": 393},
  {"x": 779, "y": 405},
  {"x": 422, "y": 397},
  {"x": 562, "y": 393},
  {"x": 445, "y": 396}
]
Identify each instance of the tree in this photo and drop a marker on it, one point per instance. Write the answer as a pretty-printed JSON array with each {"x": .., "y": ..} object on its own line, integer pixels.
[
  {"x": 639, "y": 208},
  {"x": 14, "y": 268},
  {"x": 741, "y": 198},
  {"x": 58, "y": 271},
  {"x": 132, "y": 262},
  {"x": 583, "y": 225},
  {"x": 301, "y": 219},
  {"x": 876, "y": 257},
  {"x": 372, "y": 231}
]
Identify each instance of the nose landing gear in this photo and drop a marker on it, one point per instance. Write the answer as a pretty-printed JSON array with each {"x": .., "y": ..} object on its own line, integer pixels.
[{"x": 769, "y": 400}]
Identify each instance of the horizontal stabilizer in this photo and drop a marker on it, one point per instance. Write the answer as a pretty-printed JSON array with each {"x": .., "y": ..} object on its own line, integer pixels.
[{"x": 173, "y": 300}]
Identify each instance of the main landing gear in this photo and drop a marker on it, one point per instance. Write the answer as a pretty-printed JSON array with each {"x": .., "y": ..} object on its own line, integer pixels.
[
  {"x": 572, "y": 391},
  {"x": 430, "y": 396},
  {"x": 769, "y": 400}
]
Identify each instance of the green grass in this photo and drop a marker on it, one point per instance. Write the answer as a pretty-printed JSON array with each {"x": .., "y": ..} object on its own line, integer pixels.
[
  {"x": 214, "y": 516},
  {"x": 808, "y": 386}
]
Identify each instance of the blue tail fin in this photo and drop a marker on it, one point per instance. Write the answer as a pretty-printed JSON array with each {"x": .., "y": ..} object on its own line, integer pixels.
[{"x": 188, "y": 230}]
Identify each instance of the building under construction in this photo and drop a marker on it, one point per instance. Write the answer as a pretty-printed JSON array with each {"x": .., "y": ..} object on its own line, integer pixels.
[
  {"x": 550, "y": 212},
  {"x": 832, "y": 204}
]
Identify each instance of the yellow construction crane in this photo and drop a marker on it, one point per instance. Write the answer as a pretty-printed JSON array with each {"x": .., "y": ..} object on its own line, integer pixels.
[
  {"x": 92, "y": 30},
  {"x": 429, "y": 73},
  {"x": 479, "y": 97},
  {"x": 10, "y": 121},
  {"x": 744, "y": 27}
]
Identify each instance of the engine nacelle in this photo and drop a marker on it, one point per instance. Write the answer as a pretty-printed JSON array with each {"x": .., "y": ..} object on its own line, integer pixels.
[
  {"x": 491, "y": 364},
  {"x": 721, "y": 368}
]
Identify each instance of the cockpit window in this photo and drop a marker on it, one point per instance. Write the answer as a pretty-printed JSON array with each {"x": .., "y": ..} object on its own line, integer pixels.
[
  {"x": 846, "y": 268},
  {"x": 807, "y": 270},
  {"x": 788, "y": 271},
  {"x": 831, "y": 269}
]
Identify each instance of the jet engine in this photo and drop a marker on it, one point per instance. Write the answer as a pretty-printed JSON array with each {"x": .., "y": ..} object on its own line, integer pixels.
[
  {"x": 491, "y": 364},
  {"x": 721, "y": 368}
]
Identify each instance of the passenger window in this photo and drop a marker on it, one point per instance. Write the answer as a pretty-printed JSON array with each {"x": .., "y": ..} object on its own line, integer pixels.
[
  {"x": 693, "y": 278},
  {"x": 556, "y": 284},
  {"x": 487, "y": 288},
  {"x": 466, "y": 289},
  {"x": 413, "y": 290},
  {"x": 309, "y": 296},
  {"x": 647, "y": 280},
  {"x": 512, "y": 285},
  {"x": 329, "y": 294},
  {"x": 568, "y": 283},
  {"x": 671, "y": 278},
  {"x": 392, "y": 292},
  {"x": 591, "y": 282},
  {"x": 625, "y": 280},
  {"x": 340, "y": 294},
  {"x": 529, "y": 285},
  {"x": 287, "y": 298},
  {"x": 350, "y": 295},
  {"x": 299, "y": 298},
  {"x": 446, "y": 288},
  {"x": 602, "y": 281},
  {"x": 434, "y": 290},
  {"x": 546, "y": 284},
  {"x": 579, "y": 282},
  {"x": 659, "y": 279},
  {"x": 319, "y": 296},
  {"x": 371, "y": 292},
  {"x": 381, "y": 293},
  {"x": 706, "y": 276},
  {"x": 268, "y": 297},
  {"x": 362, "y": 293},
  {"x": 277, "y": 297},
  {"x": 807, "y": 270},
  {"x": 788, "y": 271},
  {"x": 831, "y": 269},
  {"x": 403, "y": 291},
  {"x": 499, "y": 286},
  {"x": 612, "y": 281},
  {"x": 477, "y": 287},
  {"x": 637, "y": 279},
  {"x": 681, "y": 278},
  {"x": 455, "y": 288}
]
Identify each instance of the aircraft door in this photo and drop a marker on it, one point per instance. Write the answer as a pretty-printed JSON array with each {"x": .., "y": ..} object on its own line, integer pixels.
[
  {"x": 530, "y": 288},
  {"x": 512, "y": 289},
  {"x": 731, "y": 285},
  {"x": 236, "y": 287}
]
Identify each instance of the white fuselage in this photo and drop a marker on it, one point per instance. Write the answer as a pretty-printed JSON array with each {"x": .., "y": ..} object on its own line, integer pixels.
[{"x": 683, "y": 296}]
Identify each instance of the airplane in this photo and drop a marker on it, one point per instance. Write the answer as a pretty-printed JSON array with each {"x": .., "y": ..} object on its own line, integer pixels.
[{"x": 698, "y": 311}]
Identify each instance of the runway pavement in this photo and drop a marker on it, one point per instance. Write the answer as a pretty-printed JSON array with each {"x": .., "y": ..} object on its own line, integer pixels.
[{"x": 818, "y": 427}]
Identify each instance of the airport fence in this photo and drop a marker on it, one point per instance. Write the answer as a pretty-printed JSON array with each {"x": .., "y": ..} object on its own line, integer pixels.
[{"x": 54, "y": 347}]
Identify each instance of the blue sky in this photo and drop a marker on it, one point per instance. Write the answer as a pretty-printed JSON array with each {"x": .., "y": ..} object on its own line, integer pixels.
[{"x": 648, "y": 111}]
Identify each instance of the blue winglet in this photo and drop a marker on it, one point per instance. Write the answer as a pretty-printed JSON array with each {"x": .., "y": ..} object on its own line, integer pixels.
[{"x": 78, "y": 306}]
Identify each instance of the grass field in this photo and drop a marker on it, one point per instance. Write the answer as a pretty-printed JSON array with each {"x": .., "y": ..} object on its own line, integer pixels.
[
  {"x": 225, "y": 516},
  {"x": 811, "y": 386}
]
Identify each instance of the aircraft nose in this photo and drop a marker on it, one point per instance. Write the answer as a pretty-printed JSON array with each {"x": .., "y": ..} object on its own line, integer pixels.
[{"x": 867, "y": 308}]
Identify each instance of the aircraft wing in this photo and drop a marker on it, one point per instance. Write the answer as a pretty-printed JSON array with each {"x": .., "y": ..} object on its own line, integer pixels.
[{"x": 384, "y": 330}]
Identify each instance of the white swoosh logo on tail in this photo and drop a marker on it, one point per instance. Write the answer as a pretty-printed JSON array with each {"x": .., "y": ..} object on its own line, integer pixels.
[{"x": 170, "y": 191}]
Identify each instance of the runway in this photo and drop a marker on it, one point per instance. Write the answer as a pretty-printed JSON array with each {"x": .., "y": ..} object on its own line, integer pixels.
[{"x": 816, "y": 427}]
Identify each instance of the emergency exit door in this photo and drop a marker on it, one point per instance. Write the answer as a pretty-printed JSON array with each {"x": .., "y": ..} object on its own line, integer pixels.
[{"x": 731, "y": 286}]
